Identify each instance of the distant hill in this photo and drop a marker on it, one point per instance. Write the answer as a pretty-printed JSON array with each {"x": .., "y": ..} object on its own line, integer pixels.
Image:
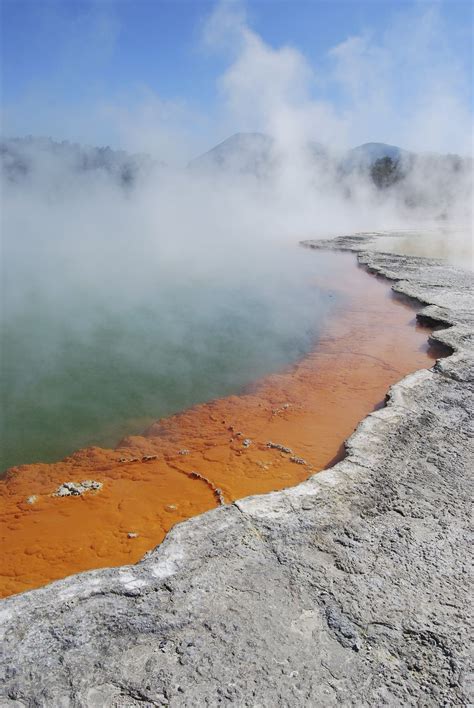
[
  {"x": 246, "y": 153},
  {"x": 432, "y": 182},
  {"x": 254, "y": 153},
  {"x": 23, "y": 158},
  {"x": 365, "y": 156}
]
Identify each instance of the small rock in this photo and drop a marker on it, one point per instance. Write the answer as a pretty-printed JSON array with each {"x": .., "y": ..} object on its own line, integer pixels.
[
  {"x": 183, "y": 451},
  {"x": 32, "y": 500},
  {"x": 282, "y": 448},
  {"x": 298, "y": 460},
  {"x": 284, "y": 407},
  {"x": 219, "y": 494},
  {"x": 247, "y": 442},
  {"x": 170, "y": 507},
  {"x": 74, "y": 489},
  {"x": 196, "y": 475},
  {"x": 132, "y": 534}
]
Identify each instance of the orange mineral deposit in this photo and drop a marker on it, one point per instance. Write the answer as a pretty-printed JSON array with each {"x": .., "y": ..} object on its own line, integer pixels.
[{"x": 276, "y": 434}]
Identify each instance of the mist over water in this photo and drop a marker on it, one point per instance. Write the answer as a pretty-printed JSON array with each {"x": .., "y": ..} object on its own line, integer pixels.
[
  {"x": 124, "y": 306},
  {"x": 86, "y": 372}
]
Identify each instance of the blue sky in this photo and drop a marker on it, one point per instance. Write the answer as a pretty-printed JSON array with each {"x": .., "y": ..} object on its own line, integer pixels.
[{"x": 94, "y": 71}]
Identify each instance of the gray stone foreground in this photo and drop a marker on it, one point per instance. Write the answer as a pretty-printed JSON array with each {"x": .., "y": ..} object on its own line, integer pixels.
[{"x": 349, "y": 589}]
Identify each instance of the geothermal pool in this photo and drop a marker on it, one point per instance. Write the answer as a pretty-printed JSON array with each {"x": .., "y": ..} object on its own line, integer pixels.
[
  {"x": 85, "y": 368},
  {"x": 350, "y": 339}
]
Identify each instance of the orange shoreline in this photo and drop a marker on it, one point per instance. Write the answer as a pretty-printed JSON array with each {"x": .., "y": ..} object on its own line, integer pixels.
[{"x": 371, "y": 341}]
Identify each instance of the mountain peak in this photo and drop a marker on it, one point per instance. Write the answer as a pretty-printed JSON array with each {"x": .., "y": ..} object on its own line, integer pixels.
[{"x": 246, "y": 153}]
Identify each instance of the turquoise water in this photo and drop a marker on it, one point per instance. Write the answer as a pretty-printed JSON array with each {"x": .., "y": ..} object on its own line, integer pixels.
[{"x": 85, "y": 369}]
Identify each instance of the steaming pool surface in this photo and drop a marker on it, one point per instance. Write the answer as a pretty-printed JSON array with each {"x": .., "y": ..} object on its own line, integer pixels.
[{"x": 85, "y": 367}]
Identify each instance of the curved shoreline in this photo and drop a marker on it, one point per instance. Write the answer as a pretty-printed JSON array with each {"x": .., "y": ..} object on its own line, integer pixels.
[
  {"x": 349, "y": 588},
  {"x": 286, "y": 427}
]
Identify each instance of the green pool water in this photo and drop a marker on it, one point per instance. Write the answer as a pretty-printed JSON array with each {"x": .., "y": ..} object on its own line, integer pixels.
[{"x": 81, "y": 369}]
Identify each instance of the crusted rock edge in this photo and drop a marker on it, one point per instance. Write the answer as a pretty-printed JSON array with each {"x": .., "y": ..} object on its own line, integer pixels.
[{"x": 350, "y": 588}]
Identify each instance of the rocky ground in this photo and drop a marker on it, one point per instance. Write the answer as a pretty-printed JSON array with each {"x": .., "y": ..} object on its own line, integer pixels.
[{"x": 351, "y": 588}]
